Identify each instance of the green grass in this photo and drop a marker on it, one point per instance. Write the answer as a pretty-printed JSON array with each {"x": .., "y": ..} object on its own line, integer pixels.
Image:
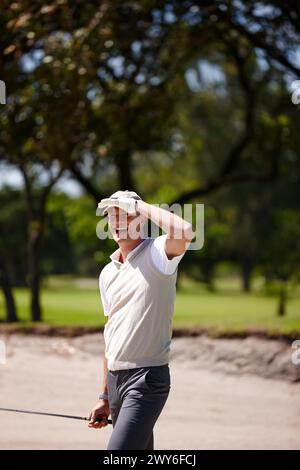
[
  {"x": 235, "y": 312},
  {"x": 228, "y": 309}
]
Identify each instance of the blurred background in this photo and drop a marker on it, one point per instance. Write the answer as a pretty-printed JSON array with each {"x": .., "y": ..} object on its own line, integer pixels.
[{"x": 181, "y": 101}]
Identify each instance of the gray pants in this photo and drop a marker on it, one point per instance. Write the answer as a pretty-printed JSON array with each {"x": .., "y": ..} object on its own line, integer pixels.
[{"x": 136, "y": 398}]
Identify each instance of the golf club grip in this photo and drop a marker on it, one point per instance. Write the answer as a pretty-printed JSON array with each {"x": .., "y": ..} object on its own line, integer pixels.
[{"x": 99, "y": 419}]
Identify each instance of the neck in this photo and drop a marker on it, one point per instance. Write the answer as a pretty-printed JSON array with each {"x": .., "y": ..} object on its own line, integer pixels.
[{"x": 126, "y": 246}]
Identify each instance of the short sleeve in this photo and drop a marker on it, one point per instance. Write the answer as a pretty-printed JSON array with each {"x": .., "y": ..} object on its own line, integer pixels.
[
  {"x": 103, "y": 297},
  {"x": 159, "y": 256}
]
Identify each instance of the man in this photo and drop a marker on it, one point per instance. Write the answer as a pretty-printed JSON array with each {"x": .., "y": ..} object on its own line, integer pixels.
[{"x": 137, "y": 290}]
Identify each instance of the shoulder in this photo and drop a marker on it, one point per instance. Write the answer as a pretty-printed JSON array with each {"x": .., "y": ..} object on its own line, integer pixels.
[
  {"x": 159, "y": 257},
  {"x": 159, "y": 246},
  {"x": 159, "y": 242},
  {"x": 104, "y": 273}
]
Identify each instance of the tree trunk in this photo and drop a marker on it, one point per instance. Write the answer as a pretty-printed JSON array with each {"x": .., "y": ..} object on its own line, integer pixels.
[
  {"x": 246, "y": 276},
  {"x": 208, "y": 275},
  {"x": 11, "y": 312},
  {"x": 87, "y": 184},
  {"x": 34, "y": 273},
  {"x": 123, "y": 163},
  {"x": 36, "y": 213},
  {"x": 282, "y": 302}
]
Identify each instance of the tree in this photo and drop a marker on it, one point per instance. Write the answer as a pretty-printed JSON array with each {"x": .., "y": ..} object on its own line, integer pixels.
[
  {"x": 124, "y": 64},
  {"x": 282, "y": 257},
  {"x": 12, "y": 242}
]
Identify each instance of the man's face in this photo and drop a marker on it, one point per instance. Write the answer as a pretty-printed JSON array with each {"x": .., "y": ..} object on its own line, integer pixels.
[{"x": 123, "y": 226}]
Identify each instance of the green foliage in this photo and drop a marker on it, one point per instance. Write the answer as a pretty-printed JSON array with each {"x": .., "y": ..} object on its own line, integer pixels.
[{"x": 178, "y": 100}]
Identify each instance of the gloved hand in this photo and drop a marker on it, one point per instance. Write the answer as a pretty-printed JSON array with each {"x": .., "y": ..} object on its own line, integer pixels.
[
  {"x": 127, "y": 204},
  {"x": 104, "y": 204}
]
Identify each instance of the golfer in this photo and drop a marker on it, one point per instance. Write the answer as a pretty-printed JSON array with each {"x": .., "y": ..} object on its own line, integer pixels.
[{"x": 137, "y": 290}]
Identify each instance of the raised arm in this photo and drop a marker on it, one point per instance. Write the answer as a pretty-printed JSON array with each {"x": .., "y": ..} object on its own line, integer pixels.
[{"x": 180, "y": 232}]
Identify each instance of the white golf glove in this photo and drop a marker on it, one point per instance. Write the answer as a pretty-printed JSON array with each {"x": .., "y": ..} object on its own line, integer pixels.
[{"x": 127, "y": 204}]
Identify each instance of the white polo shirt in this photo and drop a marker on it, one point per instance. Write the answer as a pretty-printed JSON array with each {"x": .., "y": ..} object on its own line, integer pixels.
[
  {"x": 138, "y": 297},
  {"x": 159, "y": 257}
]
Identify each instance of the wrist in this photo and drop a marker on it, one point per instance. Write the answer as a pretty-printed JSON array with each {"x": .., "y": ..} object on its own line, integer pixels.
[
  {"x": 142, "y": 207},
  {"x": 103, "y": 402},
  {"x": 103, "y": 396}
]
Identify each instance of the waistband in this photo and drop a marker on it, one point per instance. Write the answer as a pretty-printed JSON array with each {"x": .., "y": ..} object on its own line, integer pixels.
[{"x": 134, "y": 369}]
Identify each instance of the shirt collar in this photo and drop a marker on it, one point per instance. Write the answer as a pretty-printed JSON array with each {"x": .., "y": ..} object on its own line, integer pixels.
[{"x": 116, "y": 254}]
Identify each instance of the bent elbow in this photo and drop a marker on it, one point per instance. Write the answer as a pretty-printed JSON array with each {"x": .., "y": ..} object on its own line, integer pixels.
[{"x": 188, "y": 232}]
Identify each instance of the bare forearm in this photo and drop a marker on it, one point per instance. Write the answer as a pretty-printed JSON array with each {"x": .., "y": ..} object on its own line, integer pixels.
[
  {"x": 170, "y": 223},
  {"x": 104, "y": 381},
  {"x": 101, "y": 409}
]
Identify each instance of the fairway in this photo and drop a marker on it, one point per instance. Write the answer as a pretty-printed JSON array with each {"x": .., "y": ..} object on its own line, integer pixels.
[{"x": 77, "y": 302}]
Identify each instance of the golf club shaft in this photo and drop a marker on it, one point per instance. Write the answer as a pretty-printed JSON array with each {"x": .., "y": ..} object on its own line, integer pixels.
[{"x": 51, "y": 414}]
